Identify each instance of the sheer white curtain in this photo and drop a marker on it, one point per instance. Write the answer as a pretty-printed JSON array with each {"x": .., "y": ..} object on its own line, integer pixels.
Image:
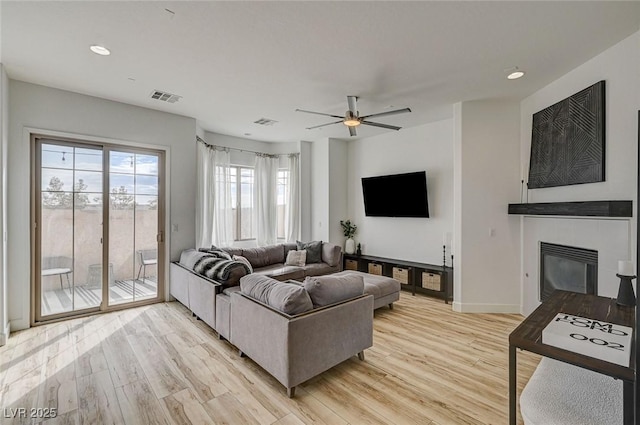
[
  {"x": 213, "y": 202},
  {"x": 292, "y": 213},
  {"x": 265, "y": 198}
]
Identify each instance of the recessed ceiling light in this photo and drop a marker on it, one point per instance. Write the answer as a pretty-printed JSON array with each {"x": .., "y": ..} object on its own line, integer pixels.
[
  {"x": 514, "y": 73},
  {"x": 100, "y": 50}
]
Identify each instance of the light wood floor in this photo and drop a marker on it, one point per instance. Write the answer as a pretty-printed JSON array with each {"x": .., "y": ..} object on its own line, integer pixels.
[{"x": 156, "y": 364}]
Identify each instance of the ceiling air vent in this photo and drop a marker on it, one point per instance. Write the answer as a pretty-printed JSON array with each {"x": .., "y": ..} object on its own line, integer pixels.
[
  {"x": 265, "y": 121},
  {"x": 164, "y": 96}
]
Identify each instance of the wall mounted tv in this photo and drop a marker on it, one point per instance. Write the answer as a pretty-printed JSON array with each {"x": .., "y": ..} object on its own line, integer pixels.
[{"x": 397, "y": 195}]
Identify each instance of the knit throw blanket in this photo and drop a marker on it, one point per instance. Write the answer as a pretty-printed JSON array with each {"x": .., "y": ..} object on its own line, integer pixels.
[{"x": 218, "y": 265}]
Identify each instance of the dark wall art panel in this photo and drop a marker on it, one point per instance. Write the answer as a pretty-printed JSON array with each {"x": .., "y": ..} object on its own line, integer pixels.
[{"x": 567, "y": 141}]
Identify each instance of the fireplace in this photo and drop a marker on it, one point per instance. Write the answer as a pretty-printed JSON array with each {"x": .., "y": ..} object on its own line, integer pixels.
[{"x": 567, "y": 268}]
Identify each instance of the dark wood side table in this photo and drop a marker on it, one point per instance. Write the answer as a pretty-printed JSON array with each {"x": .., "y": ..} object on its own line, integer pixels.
[{"x": 528, "y": 336}]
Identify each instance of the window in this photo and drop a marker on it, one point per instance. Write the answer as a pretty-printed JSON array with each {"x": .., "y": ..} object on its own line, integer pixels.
[
  {"x": 242, "y": 190},
  {"x": 282, "y": 197},
  {"x": 242, "y": 179}
]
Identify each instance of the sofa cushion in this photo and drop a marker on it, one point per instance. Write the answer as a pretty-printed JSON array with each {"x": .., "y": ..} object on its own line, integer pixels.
[
  {"x": 296, "y": 258},
  {"x": 233, "y": 251},
  {"x": 325, "y": 290},
  {"x": 378, "y": 286},
  {"x": 264, "y": 255},
  {"x": 289, "y": 246},
  {"x": 189, "y": 257},
  {"x": 331, "y": 254},
  {"x": 314, "y": 250},
  {"x": 289, "y": 298},
  {"x": 230, "y": 290}
]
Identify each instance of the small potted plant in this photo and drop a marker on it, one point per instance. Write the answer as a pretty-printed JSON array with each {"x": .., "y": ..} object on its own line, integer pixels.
[{"x": 349, "y": 230}]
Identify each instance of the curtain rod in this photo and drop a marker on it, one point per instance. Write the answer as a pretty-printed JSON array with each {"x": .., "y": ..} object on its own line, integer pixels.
[{"x": 201, "y": 140}]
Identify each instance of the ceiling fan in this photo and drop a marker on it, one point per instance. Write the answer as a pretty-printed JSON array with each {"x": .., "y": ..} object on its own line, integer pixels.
[{"x": 352, "y": 117}]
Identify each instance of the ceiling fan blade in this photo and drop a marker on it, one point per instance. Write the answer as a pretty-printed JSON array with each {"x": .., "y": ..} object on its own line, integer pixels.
[
  {"x": 322, "y": 125},
  {"x": 353, "y": 104},
  {"x": 381, "y": 114},
  {"x": 352, "y": 131},
  {"x": 319, "y": 113},
  {"x": 377, "y": 124}
]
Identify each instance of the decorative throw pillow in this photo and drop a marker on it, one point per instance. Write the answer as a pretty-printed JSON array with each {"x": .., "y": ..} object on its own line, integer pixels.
[
  {"x": 244, "y": 261},
  {"x": 296, "y": 258},
  {"x": 330, "y": 289},
  {"x": 314, "y": 250}
]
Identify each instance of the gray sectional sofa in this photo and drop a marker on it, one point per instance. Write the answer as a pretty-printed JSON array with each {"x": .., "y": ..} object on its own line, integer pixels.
[
  {"x": 292, "y": 330},
  {"x": 270, "y": 261}
]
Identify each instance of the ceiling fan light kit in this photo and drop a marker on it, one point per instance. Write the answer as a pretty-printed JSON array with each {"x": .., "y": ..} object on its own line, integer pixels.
[
  {"x": 351, "y": 120},
  {"x": 352, "y": 117}
]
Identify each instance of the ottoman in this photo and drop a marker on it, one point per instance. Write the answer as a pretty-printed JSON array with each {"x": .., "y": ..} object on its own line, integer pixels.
[{"x": 385, "y": 290}]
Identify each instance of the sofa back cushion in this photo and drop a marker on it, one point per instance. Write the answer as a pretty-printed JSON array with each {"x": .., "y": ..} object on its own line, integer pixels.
[
  {"x": 331, "y": 254},
  {"x": 264, "y": 255},
  {"x": 286, "y": 297},
  {"x": 325, "y": 290},
  {"x": 233, "y": 251},
  {"x": 289, "y": 246}
]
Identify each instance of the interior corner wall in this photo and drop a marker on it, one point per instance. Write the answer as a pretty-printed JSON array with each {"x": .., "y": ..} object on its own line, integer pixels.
[
  {"x": 320, "y": 190},
  {"x": 487, "y": 272},
  {"x": 54, "y": 110},
  {"x": 305, "y": 191},
  {"x": 4, "y": 137},
  {"x": 429, "y": 148}
]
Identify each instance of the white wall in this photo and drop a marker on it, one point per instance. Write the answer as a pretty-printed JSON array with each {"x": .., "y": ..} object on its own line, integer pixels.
[
  {"x": 4, "y": 139},
  {"x": 48, "y": 109},
  {"x": 487, "y": 261},
  {"x": 427, "y": 148},
  {"x": 614, "y": 240},
  {"x": 320, "y": 190},
  {"x": 338, "y": 189}
]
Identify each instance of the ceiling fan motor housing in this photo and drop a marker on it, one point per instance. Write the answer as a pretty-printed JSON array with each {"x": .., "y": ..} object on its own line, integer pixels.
[{"x": 351, "y": 119}]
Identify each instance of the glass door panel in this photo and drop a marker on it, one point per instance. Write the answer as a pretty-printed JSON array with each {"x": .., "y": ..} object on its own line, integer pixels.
[
  {"x": 133, "y": 226},
  {"x": 70, "y": 228}
]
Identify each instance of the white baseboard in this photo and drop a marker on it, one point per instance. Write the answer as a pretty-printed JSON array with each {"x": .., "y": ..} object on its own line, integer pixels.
[
  {"x": 485, "y": 308},
  {"x": 19, "y": 324}
]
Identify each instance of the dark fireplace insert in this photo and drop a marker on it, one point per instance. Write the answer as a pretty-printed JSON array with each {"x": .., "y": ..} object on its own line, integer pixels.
[{"x": 567, "y": 268}]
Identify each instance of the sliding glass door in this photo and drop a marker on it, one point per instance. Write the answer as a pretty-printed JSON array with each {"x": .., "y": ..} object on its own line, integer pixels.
[
  {"x": 98, "y": 227},
  {"x": 133, "y": 226}
]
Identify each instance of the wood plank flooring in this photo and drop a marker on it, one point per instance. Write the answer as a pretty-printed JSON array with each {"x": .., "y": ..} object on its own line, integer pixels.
[{"x": 158, "y": 365}]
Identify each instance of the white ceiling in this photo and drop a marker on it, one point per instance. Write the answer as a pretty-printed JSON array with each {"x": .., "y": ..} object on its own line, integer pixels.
[{"x": 236, "y": 62}]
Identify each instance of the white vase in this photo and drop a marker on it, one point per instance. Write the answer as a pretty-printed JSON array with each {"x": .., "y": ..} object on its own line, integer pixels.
[{"x": 350, "y": 246}]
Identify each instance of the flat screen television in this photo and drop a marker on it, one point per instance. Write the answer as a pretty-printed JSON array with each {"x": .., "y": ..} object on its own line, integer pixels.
[{"x": 397, "y": 195}]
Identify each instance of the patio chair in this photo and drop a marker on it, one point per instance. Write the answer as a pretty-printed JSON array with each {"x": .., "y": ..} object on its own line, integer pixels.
[
  {"x": 146, "y": 257},
  {"x": 59, "y": 265}
]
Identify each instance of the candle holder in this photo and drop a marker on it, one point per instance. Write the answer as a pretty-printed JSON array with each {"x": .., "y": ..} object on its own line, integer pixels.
[
  {"x": 626, "y": 296},
  {"x": 444, "y": 256}
]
